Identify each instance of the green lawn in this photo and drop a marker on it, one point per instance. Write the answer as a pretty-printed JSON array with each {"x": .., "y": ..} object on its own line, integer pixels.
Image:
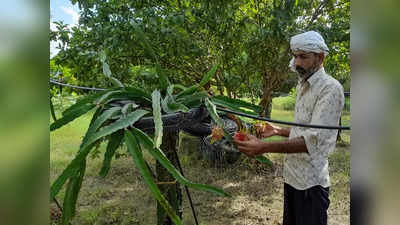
[{"x": 123, "y": 198}]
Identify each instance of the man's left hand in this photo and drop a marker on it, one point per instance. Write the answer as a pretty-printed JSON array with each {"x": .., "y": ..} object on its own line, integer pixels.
[{"x": 252, "y": 147}]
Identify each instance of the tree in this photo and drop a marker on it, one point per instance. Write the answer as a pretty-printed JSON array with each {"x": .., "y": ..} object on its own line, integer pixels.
[{"x": 249, "y": 39}]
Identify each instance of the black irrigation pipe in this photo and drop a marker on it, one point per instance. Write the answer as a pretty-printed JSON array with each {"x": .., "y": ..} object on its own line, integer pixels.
[
  {"x": 233, "y": 112},
  {"x": 285, "y": 122}
]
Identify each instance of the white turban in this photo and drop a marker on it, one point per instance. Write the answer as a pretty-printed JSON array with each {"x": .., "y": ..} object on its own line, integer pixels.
[{"x": 310, "y": 41}]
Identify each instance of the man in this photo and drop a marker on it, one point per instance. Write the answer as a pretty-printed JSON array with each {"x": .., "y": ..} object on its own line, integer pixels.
[{"x": 320, "y": 100}]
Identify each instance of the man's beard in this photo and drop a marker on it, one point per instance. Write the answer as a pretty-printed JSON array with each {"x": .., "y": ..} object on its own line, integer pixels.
[{"x": 303, "y": 73}]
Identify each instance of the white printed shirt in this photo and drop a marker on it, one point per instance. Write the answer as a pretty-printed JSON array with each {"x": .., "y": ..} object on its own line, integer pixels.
[{"x": 319, "y": 101}]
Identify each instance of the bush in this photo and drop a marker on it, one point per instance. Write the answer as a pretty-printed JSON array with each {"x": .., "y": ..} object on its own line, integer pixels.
[{"x": 287, "y": 102}]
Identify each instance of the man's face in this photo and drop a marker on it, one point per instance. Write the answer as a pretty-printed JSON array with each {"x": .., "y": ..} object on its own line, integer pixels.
[{"x": 307, "y": 63}]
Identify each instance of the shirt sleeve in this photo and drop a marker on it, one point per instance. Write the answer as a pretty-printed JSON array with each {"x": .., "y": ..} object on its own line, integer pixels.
[{"x": 327, "y": 111}]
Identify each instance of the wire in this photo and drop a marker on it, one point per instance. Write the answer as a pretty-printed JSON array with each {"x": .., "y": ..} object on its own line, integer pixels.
[
  {"x": 76, "y": 87},
  {"x": 284, "y": 122}
]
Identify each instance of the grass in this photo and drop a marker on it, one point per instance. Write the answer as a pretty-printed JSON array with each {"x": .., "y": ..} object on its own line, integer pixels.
[{"x": 123, "y": 198}]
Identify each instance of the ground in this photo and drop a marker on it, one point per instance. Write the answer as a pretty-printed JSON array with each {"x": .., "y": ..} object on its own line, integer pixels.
[{"x": 257, "y": 190}]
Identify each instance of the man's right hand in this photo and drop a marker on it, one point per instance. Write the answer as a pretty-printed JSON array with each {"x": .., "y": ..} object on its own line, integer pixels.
[{"x": 266, "y": 130}]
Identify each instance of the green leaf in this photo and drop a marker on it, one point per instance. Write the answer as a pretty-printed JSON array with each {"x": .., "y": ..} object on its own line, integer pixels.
[
  {"x": 53, "y": 114},
  {"x": 115, "y": 140},
  {"x": 233, "y": 107},
  {"x": 135, "y": 151},
  {"x": 170, "y": 106},
  {"x": 107, "y": 114},
  {"x": 170, "y": 89},
  {"x": 236, "y": 104},
  {"x": 83, "y": 101},
  {"x": 138, "y": 92},
  {"x": 164, "y": 82},
  {"x": 122, "y": 123},
  {"x": 214, "y": 115},
  {"x": 194, "y": 100},
  {"x": 71, "y": 116},
  {"x": 264, "y": 160},
  {"x": 102, "y": 56},
  {"x": 97, "y": 113},
  {"x": 178, "y": 86},
  {"x": 174, "y": 107},
  {"x": 188, "y": 91},
  {"x": 164, "y": 104},
  {"x": 116, "y": 82},
  {"x": 128, "y": 107},
  {"x": 71, "y": 194},
  {"x": 208, "y": 76},
  {"x": 127, "y": 93},
  {"x": 158, "y": 124},
  {"x": 108, "y": 95},
  {"x": 158, "y": 154},
  {"x": 106, "y": 70},
  {"x": 88, "y": 145}
]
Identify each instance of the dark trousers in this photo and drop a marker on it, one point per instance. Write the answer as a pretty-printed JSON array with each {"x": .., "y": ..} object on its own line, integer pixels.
[{"x": 305, "y": 207}]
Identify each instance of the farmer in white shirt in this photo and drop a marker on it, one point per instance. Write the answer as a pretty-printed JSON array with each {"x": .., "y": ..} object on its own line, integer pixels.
[{"x": 319, "y": 101}]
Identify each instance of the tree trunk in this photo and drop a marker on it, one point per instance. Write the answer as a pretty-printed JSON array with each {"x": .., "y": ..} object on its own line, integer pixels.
[
  {"x": 251, "y": 91},
  {"x": 169, "y": 187},
  {"x": 266, "y": 104},
  {"x": 229, "y": 93},
  {"x": 266, "y": 101},
  {"x": 221, "y": 91}
]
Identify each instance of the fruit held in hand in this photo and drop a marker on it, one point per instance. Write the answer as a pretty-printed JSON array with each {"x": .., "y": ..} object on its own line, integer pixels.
[{"x": 239, "y": 136}]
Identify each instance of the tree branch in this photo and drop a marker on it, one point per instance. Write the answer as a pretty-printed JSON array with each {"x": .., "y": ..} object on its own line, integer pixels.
[{"x": 317, "y": 12}]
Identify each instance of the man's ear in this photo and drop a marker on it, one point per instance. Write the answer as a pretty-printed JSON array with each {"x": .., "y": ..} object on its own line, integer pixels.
[{"x": 321, "y": 57}]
